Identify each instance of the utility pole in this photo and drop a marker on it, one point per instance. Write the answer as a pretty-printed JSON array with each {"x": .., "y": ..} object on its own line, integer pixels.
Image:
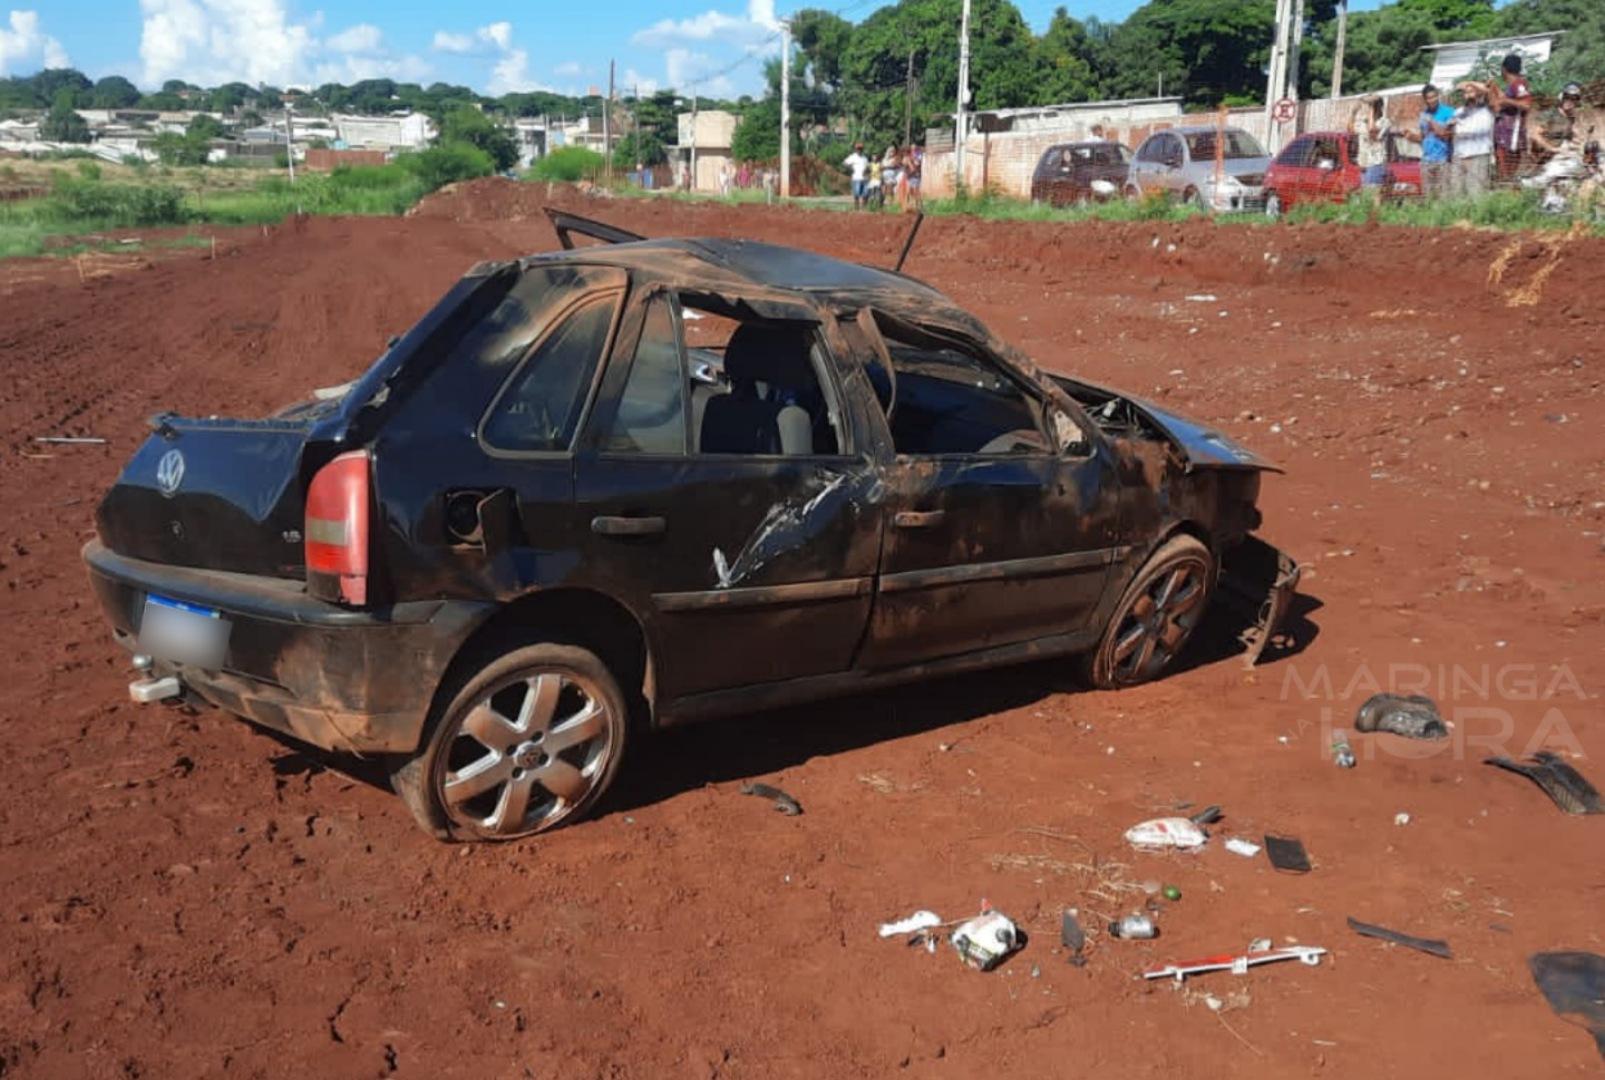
[
  {"x": 961, "y": 128},
  {"x": 908, "y": 102},
  {"x": 785, "y": 108},
  {"x": 607, "y": 127},
  {"x": 289, "y": 142},
  {"x": 1337, "y": 53},
  {"x": 1294, "y": 52},
  {"x": 1276, "y": 74}
]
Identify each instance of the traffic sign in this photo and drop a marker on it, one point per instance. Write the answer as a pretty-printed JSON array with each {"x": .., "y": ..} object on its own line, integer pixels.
[{"x": 1284, "y": 111}]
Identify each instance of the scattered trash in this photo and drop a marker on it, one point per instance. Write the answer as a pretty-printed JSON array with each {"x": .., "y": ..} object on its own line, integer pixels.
[
  {"x": 783, "y": 802},
  {"x": 1259, "y": 944},
  {"x": 1574, "y": 985},
  {"x": 1072, "y": 937},
  {"x": 1426, "y": 945},
  {"x": 1562, "y": 783},
  {"x": 70, "y": 440},
  {"x": 986, "y": 940},
  {"x": 1342, "y": 752},
  {"x": 1207, "y": 816},
  {"x": 1401, "y": 818},
  {"x": 1134, "y": 928},
  {"x": 1412, "y": 716},
  {"x": 1242, "y": 847},
  {"x": 1171, "y": 832},
  {"x": 1172, "y": 893},
  {"x": 1237, "y": 963},
  {"x": 1201, "y": 298},
  {"x": 920, "y": 920},
  {"x": 1286, "y": 853}
]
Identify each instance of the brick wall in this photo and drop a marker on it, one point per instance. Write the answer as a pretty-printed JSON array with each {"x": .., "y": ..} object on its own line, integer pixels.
[{"x": 327, "y": 160}]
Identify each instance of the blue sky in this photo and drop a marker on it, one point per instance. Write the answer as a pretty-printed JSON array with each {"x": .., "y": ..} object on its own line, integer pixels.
[{"x": 494, "y": 47}]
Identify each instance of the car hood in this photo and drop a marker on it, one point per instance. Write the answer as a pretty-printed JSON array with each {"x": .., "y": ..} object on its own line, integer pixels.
[
  {"x": 1253, "y": 166},
  {"x": 1202, "y": 446}
]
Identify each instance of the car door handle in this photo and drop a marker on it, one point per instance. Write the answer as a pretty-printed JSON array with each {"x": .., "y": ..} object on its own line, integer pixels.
[
  {"x": 918, "y": 519},
  {"x": 628, "y": 526}
]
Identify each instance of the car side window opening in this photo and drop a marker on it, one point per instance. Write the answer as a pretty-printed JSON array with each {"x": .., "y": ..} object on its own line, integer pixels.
[
  {"x": 539, "y": 408},
  {"x": 1327, "y": 155},
  {"x": 651, "y": 416},
  {"x": 951, "y": 402},
  {"x": 746, "y": 385}
]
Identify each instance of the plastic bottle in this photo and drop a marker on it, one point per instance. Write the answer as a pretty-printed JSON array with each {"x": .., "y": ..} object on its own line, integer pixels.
[
  {"x": 1134, "y": 928},
  {"x": 1342, "y": 752}
]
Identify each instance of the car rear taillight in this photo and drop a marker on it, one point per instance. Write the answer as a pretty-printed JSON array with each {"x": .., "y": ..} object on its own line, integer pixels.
[{"x": 337, "y": 529}]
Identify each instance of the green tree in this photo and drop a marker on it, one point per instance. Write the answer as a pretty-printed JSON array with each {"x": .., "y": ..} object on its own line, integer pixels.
[
  {"x": 644, "y": 146},
  {"x": 1579, "y": 54},
  {"x": 822, "y": 38},
  {"x": 1384, "y": 46},
  {"x": 1068, "y": 59},
  {"x": 62, "y": 123},
  {"x": 203, "y": 128},
  {"x": 114, "y": 92},
  {"x": 175, "y": 149},
  {"x": 466, "y": 124}
]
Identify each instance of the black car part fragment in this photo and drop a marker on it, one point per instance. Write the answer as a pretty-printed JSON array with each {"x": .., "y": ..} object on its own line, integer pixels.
[
  {"x": 1571, "y": 792},
  {"x": 1427, "y": 945}
]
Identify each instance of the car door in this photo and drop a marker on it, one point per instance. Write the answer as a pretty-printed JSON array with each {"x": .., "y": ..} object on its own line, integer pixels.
[
  {"x": 748, "y": 563},
  {"x": 1173, "y": 161},
  {"x": 988, "y": 545},
  {"x": 1289, "y": 174}
]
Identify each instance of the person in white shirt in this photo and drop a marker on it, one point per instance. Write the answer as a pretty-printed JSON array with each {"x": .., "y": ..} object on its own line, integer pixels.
[
  {"x": 1473, "y": 128},
  {"x": 859, "y": 166}
]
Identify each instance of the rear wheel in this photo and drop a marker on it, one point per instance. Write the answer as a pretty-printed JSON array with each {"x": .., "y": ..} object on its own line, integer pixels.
[
  {"x": 1161, "y": 608},
  {"x": 1190, "y": 197},
  {"x": 530, "y": 741}
]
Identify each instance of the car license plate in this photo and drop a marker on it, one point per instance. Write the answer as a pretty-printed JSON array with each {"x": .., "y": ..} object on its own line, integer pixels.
[{"x": 183, "y": 633}]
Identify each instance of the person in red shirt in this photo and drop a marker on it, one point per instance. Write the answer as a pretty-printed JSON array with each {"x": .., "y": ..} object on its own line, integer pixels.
[{"x": 1510, "y": 123}]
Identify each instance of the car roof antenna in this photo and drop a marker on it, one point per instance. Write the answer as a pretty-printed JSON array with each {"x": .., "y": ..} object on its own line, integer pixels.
[{"x": 914, "y": 230}]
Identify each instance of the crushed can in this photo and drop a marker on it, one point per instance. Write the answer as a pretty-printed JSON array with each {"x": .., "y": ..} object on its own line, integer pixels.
[
  {"x": 1134, "y": 928},
  {"x": 986, "y": 940},
  {"x": 1342, "y": 752}
]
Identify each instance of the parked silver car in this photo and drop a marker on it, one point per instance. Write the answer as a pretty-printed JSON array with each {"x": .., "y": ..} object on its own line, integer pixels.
[{"x": 1180, "y": 164}]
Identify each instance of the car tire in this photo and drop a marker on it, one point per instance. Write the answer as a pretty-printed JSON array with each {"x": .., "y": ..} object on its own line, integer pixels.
[
  {"x": 1273, "y": 205},
  {"x": 1130, "y": 193},
  {"x": 1190, "y": 197},
  {"x": 528, "y": 740},
  {"x": 1156, "y": 616}
]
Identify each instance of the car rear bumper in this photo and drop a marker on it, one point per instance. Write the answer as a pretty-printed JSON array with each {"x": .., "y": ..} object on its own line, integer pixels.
[{"x": 337, "y": 678}]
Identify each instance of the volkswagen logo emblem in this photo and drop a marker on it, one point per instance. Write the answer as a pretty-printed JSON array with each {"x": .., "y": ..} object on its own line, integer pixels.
[{"x": 170, "y": 472}]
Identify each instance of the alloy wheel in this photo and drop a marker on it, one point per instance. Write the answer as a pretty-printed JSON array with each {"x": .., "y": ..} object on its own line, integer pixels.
[
  {"x": 526, "y": 754},
  {"x": 1159, "y": 620}
]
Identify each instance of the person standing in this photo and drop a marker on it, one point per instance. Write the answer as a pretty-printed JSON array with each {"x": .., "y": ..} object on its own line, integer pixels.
[
  {"x": 1369, "y": 127},
  {"x": 916, "y": 161},
  {"x": 1510, "y": 126},
  {"x": 724, "y": 179},
  {"x": 858, "y": 165},
  {"x": 1433, "y": 135},
  {"x": 1473, "y": 128},
  {"x": 1559, "y": 142}
]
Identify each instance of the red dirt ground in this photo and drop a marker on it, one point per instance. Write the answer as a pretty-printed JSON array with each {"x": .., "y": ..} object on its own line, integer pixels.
[{"x": 188, "y": 897}]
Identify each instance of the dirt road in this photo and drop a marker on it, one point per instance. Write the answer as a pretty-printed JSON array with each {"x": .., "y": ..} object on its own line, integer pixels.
[{"x": 188, "y": 897}]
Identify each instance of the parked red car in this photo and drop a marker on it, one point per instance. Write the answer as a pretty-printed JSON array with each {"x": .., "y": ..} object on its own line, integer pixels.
[{"x": 1318, "y": 166}]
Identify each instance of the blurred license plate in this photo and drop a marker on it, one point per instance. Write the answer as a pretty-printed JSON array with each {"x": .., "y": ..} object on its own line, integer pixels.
[{"x": 183, "y": 633}]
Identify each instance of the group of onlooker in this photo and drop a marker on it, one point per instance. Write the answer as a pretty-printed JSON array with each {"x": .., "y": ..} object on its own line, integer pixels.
[
  {"x": 1492, "y": 137},
  {"x": 896, "y": 175}
]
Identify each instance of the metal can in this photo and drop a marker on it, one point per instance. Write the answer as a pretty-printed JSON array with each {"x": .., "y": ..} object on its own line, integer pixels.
[{"x": 1134, "y": 927}]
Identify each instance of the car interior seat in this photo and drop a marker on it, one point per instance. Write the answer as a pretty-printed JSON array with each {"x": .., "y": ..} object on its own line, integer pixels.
[{"x": 771, "y": 383}]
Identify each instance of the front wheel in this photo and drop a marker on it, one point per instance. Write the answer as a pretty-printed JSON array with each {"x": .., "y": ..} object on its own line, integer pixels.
[
  {"x": 528, "y": 742},
  {"x": 1161, "y": 608}
]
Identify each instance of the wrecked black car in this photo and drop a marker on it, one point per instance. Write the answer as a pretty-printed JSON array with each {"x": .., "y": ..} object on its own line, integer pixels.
[{"x": 653, "y": 480}]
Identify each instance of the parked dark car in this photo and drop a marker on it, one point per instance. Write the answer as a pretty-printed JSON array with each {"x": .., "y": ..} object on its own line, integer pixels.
[
  {"x": 1080, "y": 172},
  {"x": 657, "y": 480},
  {"x": 1318, "y": 166}
]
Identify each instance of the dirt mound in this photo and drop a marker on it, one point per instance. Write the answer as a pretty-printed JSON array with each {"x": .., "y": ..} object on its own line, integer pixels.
[{"x": 189, "y": 897}]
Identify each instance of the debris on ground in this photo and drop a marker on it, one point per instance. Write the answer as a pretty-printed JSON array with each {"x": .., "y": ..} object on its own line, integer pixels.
[
  {"x": 1409, "y": 941},
  {"x": 1412, "y": 716},
  {"x": 1207, "y": 816},
  {"x": 1562, "y": 783},
  {"x": 913, "y": 924},
  {"x": 1172, "y": 893},
  {"x": 1574, "y": 985},
  {"x": 783, "y": 802},
  {"x": 986, "y": 941},
  {"x": 1170, "y": 832},
  {"x": 1287, "y": 853},
  {"x": 1401, "y": 818},
  {"x": 1237, "y": 963},
  {"x": 70, "y": 440},
  {"x": 1342, "y": 752},
  {"x": 1072, "y": 937},
  {"x": 1245, "y": 848},
  {"x": 1134, "y": 928}
]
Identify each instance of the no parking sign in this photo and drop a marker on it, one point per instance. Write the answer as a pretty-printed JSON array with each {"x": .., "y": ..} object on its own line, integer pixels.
[{"x": 1284, "y": 111}]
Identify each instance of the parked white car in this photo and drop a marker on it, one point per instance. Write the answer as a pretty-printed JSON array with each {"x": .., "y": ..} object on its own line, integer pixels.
[{"x": 1180, "y": 164}]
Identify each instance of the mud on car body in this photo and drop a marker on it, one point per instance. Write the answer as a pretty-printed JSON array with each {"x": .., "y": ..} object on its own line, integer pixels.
[{"x": 646, "y": 481}]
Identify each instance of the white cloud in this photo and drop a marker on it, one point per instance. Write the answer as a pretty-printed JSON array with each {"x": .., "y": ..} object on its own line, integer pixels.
[
  {"x": 448, "y": 42},
  {"x": 757, "y": 24},
  {"x": 25, "y": 42},
  {"x": 257, "y": 41},
  {"x": 636, "y": 83},
  {"x": 361, "y": 38},
  {"x": 569, "y": 69},
  {"x": 687, "y": 70},
  {"x": 510, "y": 72}
]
